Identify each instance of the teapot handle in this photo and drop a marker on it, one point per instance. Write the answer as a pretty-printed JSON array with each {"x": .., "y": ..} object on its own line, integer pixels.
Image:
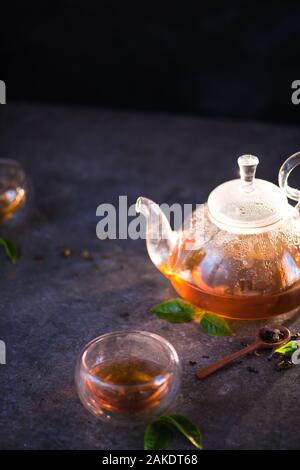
[{"x": 284, "y": 173}]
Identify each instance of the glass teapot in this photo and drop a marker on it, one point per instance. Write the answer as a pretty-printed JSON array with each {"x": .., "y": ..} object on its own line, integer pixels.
[{"x": 237, "y": 255}]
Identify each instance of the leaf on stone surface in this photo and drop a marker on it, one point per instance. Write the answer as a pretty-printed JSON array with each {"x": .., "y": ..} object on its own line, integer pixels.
[
  {"x": 158, "y": 433},
  {"x": 214, "y": 325},
  {"x": 175, "y": 311},
  {"x": 186, "y": 427},
  {"x": 288, "y": 348},
  {"x": 10, "y": 249},
  {"x": 157, "y": 436}
]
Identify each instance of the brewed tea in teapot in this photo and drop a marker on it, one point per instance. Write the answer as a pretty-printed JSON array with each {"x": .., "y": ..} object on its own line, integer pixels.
[{"x": 237, "y": 255}]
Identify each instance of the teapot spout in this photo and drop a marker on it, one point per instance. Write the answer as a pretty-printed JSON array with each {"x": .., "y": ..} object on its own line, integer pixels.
[{"x": 161, "y": 239}]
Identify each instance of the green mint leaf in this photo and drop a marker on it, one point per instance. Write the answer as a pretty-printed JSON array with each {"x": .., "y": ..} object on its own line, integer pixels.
[
  {"x": 185, "y": 426},
  {"x": 288, "y": 348},
  {"x": 10, "y": 249},
  {"x": 175, "y": 311},
  {"x": 157, "y": 436},
  {"x": 214, "y": 325}
]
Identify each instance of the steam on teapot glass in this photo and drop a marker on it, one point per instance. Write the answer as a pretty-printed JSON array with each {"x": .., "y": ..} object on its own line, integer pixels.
[{"x": 237, "y": 255}]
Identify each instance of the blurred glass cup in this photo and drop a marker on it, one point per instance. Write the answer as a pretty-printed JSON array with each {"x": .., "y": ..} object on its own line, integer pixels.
[{"x": 14, "y": 192}]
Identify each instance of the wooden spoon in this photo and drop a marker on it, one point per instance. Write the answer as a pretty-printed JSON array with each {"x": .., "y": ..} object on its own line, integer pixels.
[{"x": 260, "y": 343}]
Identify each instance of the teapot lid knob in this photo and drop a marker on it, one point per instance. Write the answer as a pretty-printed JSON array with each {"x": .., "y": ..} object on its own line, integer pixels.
[
  {"x": 248, "y": 165},
  {"x": 247, "y": 203}
]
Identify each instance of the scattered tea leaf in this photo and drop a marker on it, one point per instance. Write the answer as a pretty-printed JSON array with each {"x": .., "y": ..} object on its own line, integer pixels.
[
  {"x": 66, "y": 252},
  {"x": 295, "y": 336},
  {"x": 10, "y": 249},
  {"x": 185, "y": 426},
  {"x": 86, "y": 254},
  {"x": 105, "y": 255},
  {"x": 157, "y": 436},
  {"x": 39, "y": 258},
  {"x": 214, "y": 325},
  {"x": 175, "y": 311},
  {"x": 288, "y": 348},
  {"x": 124, "y": 314},
  {"x": 283, "y": 365}
]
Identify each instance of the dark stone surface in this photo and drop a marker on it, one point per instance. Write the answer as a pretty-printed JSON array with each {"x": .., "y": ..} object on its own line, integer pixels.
[{"x": 79, "y": 158}]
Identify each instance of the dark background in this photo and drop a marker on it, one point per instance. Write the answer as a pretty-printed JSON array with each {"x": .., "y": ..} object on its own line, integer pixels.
[{"x": 234, "y": 60}]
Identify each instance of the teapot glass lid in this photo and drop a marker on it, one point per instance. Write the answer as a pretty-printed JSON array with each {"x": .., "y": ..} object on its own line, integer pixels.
[{"x": 247, "y": 202}]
